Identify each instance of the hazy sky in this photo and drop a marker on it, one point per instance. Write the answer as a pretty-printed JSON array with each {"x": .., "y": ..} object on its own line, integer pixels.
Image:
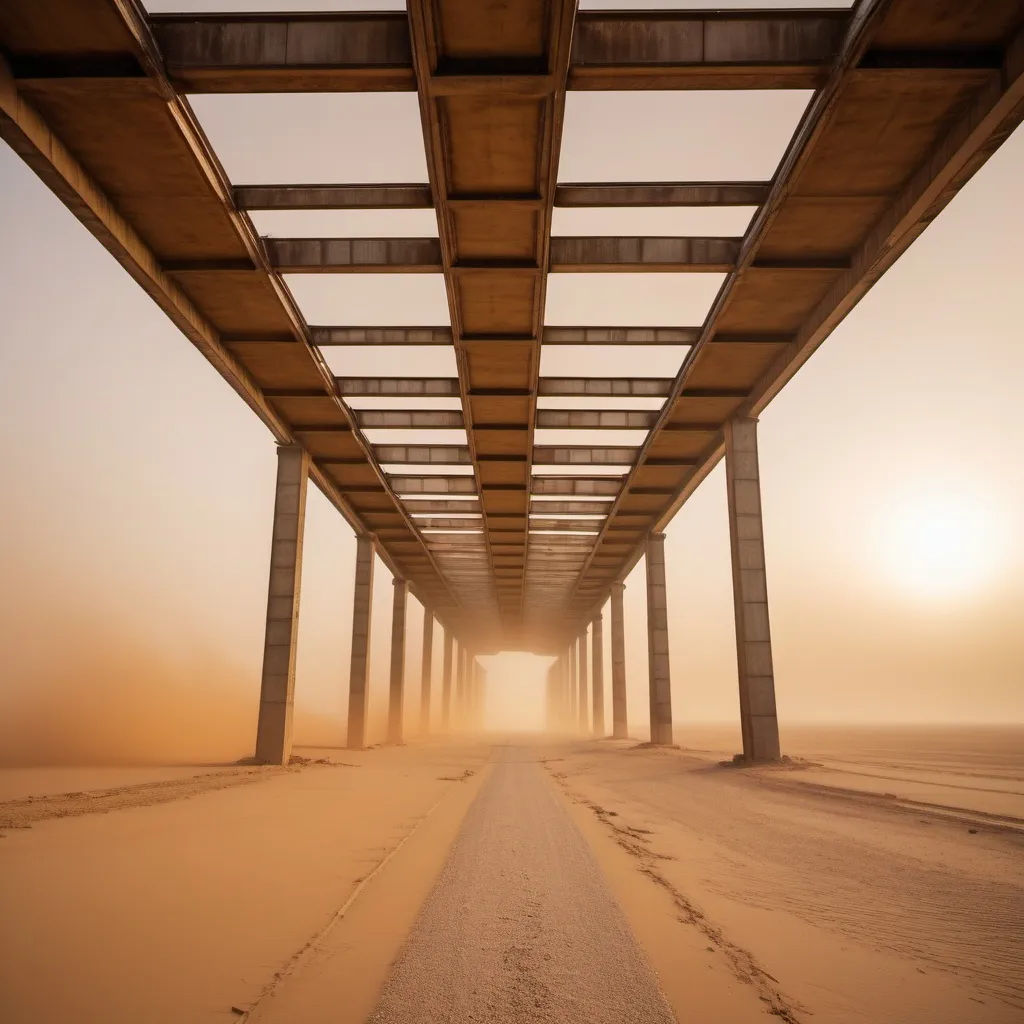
[{"x": 138, "y": 488}]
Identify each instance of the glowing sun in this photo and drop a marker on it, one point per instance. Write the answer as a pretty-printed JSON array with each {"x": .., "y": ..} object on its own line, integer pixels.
[{"x": 942, "y": 547}]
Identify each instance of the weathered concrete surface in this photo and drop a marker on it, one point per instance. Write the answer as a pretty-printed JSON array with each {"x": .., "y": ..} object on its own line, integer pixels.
[
  {"x": 619, "y": 713},
  {"x": 426, "y": 667},
  {"x": 521, "y": 925},
  {"x": 359, "y": 673},
  {"x": 584, "y": 710},
  {"x": 657, "y": 641},
  {"x": 758, "y": 715},
  {"x": 396, "y": 692},
  {"x": 597, "y": 669},
  {"x": 274, "y": 729}
]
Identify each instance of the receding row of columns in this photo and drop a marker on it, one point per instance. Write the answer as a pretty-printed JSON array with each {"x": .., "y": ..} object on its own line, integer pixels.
[
  {"x": 567, "y": 680},
  {"x": 277, "y": 688},
  {"x": 569, "y": 688}
]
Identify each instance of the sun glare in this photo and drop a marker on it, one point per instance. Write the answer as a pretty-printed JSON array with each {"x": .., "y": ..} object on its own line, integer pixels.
[{"x": 943, "y": 548}]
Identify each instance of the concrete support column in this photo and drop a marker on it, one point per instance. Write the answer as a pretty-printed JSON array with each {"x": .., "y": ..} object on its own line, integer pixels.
[
  {"x": 551, "y": 693},
  {"x": 277, "y": 686},
  {"x": 481, "y": 699},
  {"x": 657, "y": 642},
  {"x": 565, "y": 697},
  {"x": 597, "y": 639},
  {"x": 619, "y": 724},
  {"x": 426, "y": 668},
  {"x": 573, "y": 682},
  {"x": 359, "y": 665},
  {"x": 460, "y": 687},
  {"x": 584, "y": 710},
  {"x": 476, "y": 694},
  {"x": 758, "y": 717},
  {"x": 396, "y": 695},
  {"x": 446, "y": 682}
]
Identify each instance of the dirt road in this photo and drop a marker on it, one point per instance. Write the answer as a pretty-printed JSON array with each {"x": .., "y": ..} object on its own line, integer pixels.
[{"x": 521, "y": 925}]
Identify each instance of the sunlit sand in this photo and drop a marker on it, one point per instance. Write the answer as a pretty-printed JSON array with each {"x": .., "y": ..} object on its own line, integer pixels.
[{"x": 320, "y": 892}]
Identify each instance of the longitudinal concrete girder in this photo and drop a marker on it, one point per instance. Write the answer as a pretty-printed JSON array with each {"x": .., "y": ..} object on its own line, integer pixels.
[
  {"x": 274, "y": 728},
  {"x": 495, "y": 247}
]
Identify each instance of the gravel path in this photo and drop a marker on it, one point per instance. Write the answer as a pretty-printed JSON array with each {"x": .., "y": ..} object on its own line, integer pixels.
[{"x": 521, "y": 925}]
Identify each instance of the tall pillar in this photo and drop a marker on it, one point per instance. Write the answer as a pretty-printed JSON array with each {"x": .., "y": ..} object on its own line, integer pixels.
[
  {"x": 619, "y": 725},
  {"x": 573, "y": 682},
  {"x": 758, "y": 716},
  {"x": 597, "y": 670},
  {"x": 446, "y": 682},
  {"x": 277, "y": 686},
  {"x": 657, "y": 642},
  {"x": 476, "y": 694},
  {"x": 481, "y": 699},
  {"x": 396, "y": 698},
  {"x": 359, "y": 670},
  {"x": 426, "y": 668},
  {"x": 460, "y": 687},
  {"x": 584, "y": 710},
  {"x": 565, "y": 697},
  {"x": 551, "y": 693}
]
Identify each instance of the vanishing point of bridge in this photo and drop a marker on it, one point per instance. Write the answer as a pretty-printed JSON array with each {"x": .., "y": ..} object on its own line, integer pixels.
[{"x": 510, "y": 543}]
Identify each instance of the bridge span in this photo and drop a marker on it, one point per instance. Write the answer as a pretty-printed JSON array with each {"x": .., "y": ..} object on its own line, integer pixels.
[{"x": 508, "y": 541}]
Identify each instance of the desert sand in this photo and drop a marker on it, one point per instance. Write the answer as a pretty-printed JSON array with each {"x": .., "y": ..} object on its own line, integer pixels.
[{"x": 525, "y": 878}]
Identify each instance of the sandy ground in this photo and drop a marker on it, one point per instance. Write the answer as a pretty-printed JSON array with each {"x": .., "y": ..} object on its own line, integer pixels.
[
  {"x": 836, "y": 907},
  {"x": 178, "y": 910},
  {"x": 979, "y": 768},
  {"x": 22, "y": 783},
  {"x": 463, "y": 879}
]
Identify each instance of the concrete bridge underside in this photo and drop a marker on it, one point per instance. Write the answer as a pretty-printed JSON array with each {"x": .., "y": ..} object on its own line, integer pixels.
[{"x": 910, "y": 97}]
